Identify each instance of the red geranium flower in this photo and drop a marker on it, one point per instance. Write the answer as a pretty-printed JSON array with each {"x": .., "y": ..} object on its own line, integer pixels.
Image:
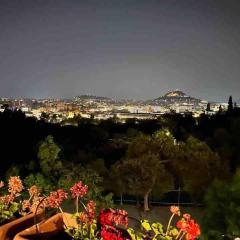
[
  {"x": 182, "y": 224},
  {"x": 79, "y": 190},
  {"x": 189, "y": 226},
  {"x": 56, "y": 198},
  {"x": 113, "y": 217},
  {"x": 111, "y": 233},
  {"x": 175, "y": 210},
  {"x": 193, "y": 230},
  {"x": 15, "y": 185},
  {"x": 91, "y": 210}
]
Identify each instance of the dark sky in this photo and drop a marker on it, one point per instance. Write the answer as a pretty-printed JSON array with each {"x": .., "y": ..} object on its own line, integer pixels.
[{"x": 118, "y": 48}]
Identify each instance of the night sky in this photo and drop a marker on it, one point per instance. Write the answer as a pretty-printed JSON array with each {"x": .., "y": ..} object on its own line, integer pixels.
[{"x": 124, "y": 49}]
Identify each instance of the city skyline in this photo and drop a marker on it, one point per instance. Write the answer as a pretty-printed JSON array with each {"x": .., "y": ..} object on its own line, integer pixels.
[
  {"x": 120, "y": 49},
  {"x": 117, "y": 98}
]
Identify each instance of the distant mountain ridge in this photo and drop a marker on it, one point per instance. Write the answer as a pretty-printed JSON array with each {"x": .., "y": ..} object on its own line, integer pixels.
[
  {"x": 86, "y": 97},
  {"x": 176, "y": 93},
  {"x": 176, "y": 96}
]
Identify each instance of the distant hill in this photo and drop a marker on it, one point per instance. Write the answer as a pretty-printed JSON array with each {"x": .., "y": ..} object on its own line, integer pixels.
[
  {"x": 176, "y": 96},
  {"x": 89, "y": 97}
]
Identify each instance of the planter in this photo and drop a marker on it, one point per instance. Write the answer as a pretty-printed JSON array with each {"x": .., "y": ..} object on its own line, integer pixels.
[
  {"x": 9, "y": 230},
  {"x": 52, "y": 228}
]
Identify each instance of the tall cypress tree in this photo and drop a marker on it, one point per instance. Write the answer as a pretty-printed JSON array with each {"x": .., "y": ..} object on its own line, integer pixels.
[
  {"x": 220, "y": 109},
  {"x": 208, "y": 107},
  {"x": 230, "y": 104}
]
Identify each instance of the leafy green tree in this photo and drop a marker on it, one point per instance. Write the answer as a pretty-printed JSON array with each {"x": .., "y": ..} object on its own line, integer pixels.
[
  {"x": 142, "y": 167},
  {"x": 117, "y": 176},
  {"x": 164, "y": 144},
  {"x": 199, "y": 166},
  {"x": 140, "y": 145},
  {"x": 167, "y": 149},
  {"x": 48, "y": 155},
  {"x": 222, "y": 212},
  {"x": 98, "y": 165},
  {"x": 140, "y": 174}
]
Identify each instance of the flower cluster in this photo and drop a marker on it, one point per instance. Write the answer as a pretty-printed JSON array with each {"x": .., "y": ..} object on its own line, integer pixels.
[
  {"x": 31, "y": 204},
  {"x": 188, "y": 227},
  {"x": 112, "y": 224},
  {"x": 7, "y": 199},
  {"x": 175, "y": 210},
  {"x": 113, "y": 217},
  {"x": 91, "y": 211},
  {"x": 88, "y": 216},
  {"x": 34, "y": 191},
  {"x": 8, "y": 202},
  {"x": 26, "y": 206},
  {"x": 56, "y": 198},
  {"x": 79, "y": 190},
  {"x": 15, "y": 185},
  {"x": 111, "y": 233},
  {"x": 109, "y": 220}
]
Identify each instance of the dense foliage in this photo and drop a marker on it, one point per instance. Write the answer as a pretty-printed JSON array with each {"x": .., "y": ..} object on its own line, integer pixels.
[
  {"x": 222, "y": 212},
  {"x": 36, "y": 149},
  {"x": 143, "y": 159}
]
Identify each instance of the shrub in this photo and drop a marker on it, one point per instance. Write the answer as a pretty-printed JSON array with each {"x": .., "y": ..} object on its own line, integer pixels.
[{"x": 222, "y": 216}]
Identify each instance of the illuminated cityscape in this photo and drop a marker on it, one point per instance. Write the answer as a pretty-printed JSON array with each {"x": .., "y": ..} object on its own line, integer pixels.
[{"x": 88, "y": 106}]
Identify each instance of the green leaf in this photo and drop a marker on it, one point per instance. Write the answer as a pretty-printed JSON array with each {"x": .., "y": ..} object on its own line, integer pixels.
[
  {"x": 157, "y": 228},
  {"x": 134, "y": 235},
  {"x": 146, "y": 225}
]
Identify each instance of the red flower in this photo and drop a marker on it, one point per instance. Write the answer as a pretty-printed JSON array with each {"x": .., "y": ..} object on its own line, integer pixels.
[
  {"x": 15, "y": 185},
  {"x": 88, "y": 216},
  {"x": 56, "y": 198},
  {"x": 182, "y": 224},
  {"x": 111, "y": 233},
  {"x": 189, "y": 226},
  {"x": 83, "y": 217},
  {"x": 91, "y": 210},
  {"x": 187, "y": 216},
  {"x": 175, "y": 210},
  {"x": 193, "y": 230},
  {"x": 79, "y": 190},
  {"x": 7, "y": 199},
  {"x": 113, "y": 217}
]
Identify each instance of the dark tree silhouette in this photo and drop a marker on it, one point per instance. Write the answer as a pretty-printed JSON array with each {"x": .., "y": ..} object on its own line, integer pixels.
[
  {"x": 220, "y": 109},
  {"x": 208, "y": 107},
  {"x": 230, "y": 104},
  {"x": 235, "y": 105}
]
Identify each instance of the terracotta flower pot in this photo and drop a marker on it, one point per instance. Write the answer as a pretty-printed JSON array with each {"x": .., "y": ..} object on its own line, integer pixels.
[
  {"x": 9, "y": 230},
  {"x": 52, "y": 228}
]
